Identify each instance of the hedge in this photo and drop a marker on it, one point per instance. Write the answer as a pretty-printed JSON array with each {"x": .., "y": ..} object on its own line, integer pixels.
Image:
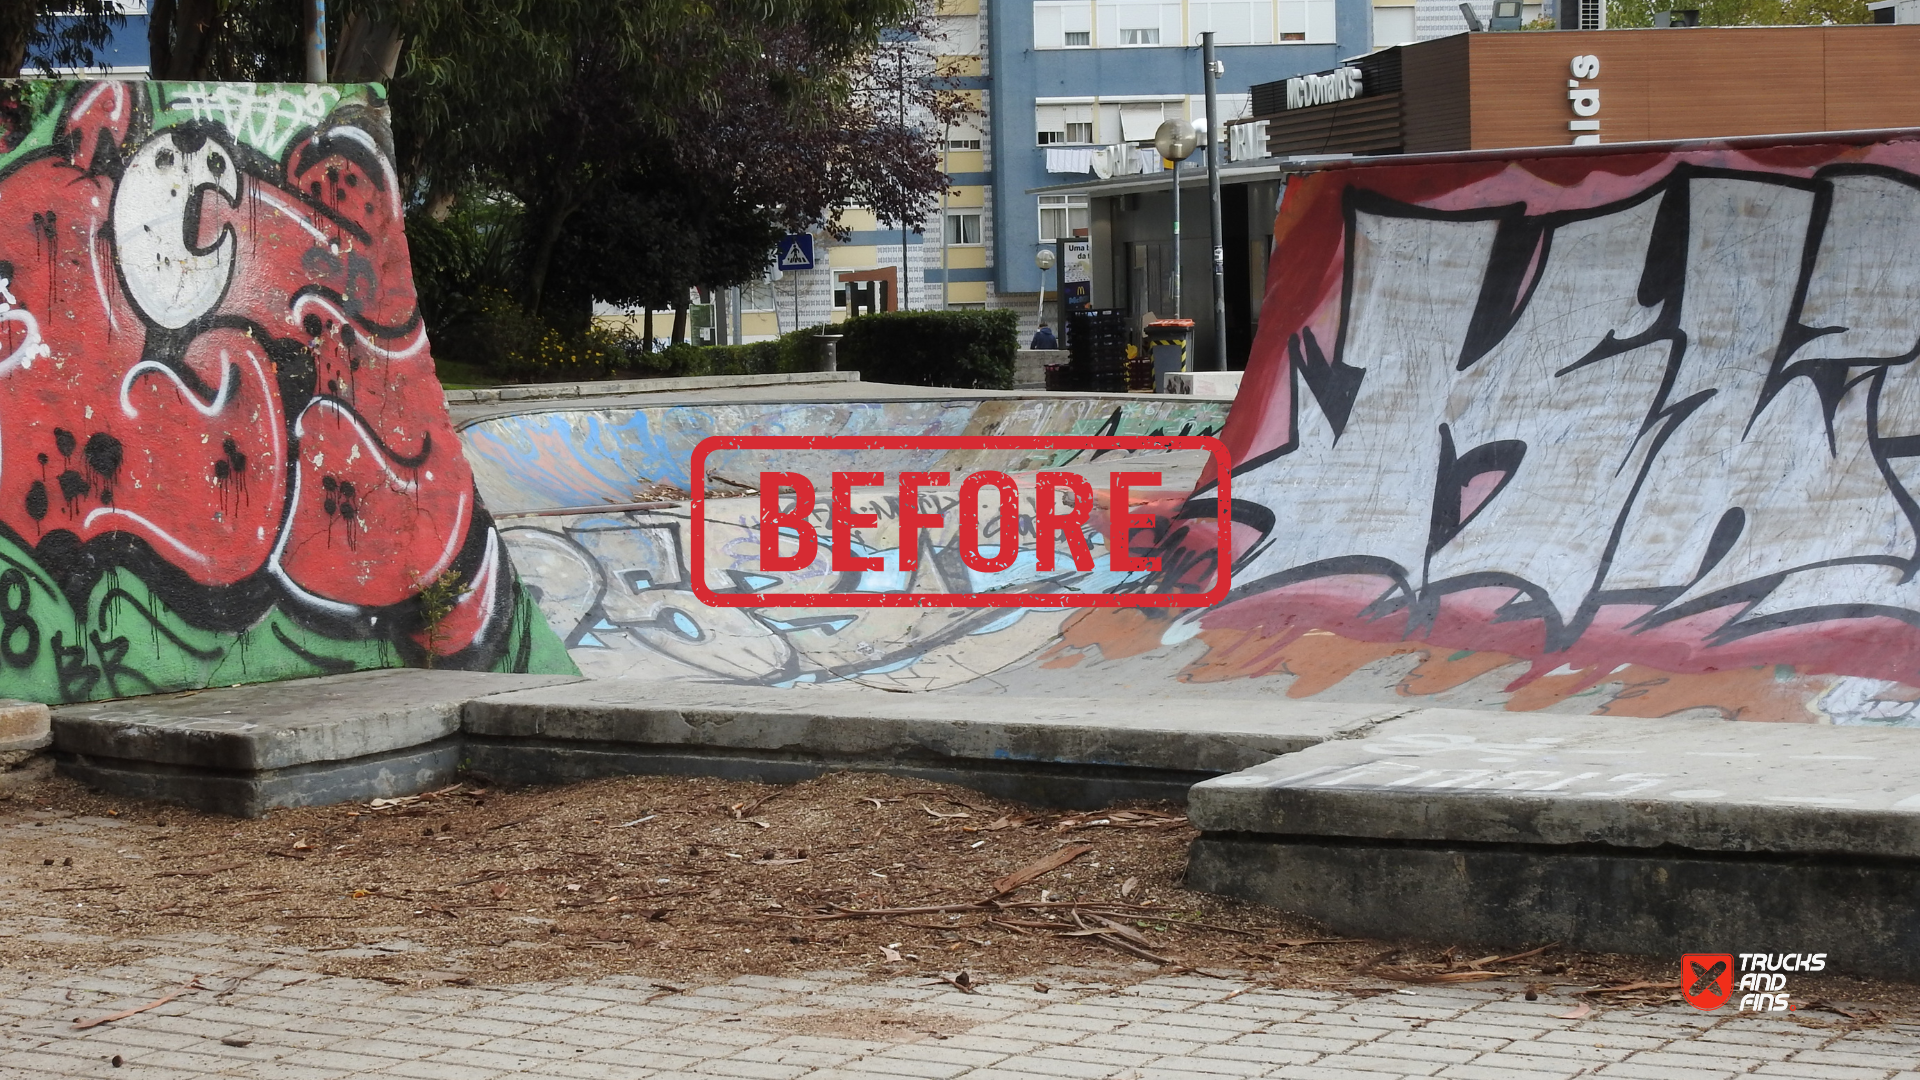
[{"x": 972, "y": 350}]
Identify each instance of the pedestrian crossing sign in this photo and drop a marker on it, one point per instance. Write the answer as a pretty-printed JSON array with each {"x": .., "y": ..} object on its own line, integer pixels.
[{"x": 795, "y": 252}]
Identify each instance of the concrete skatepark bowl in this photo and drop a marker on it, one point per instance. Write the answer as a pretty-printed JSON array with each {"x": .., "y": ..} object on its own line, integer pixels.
[{"x": 1547, "y": 465}]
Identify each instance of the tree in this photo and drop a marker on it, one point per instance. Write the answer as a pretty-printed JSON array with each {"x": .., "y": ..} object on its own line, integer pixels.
[
  {"x": 1625, "y": 14},
  {"x": 566, "y": 102},
  {"x": 625, "y": 149},
  {"x": 48, "y": 35}
]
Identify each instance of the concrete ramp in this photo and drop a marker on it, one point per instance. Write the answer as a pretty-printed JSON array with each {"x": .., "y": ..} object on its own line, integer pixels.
[
  {"x": 224, "y": 456},
  {"x": 1620, "y": 431},
  {"x": 1628, "y": 431}
]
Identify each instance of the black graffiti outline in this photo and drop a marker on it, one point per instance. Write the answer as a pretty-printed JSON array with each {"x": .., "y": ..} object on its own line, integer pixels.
[{"x": 1507, "y": 291}]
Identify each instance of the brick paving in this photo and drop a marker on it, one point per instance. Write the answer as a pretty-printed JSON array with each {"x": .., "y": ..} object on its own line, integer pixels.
[{"x": 287, "y": 1021}]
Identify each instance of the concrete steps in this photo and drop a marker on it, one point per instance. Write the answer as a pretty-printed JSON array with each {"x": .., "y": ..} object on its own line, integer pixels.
[{"x": 1645, "y": 836}]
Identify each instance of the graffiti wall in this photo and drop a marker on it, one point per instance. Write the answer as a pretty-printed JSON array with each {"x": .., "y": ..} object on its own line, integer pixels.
[
  {"x": 545, "y": 458},
  {"x": 224, "y": 456},
  {"x": 617, "y": 586},
  {"x": 1638, "y": 428}
]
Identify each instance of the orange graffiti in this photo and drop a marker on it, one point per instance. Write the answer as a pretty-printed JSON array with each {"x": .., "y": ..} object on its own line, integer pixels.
[{"x": 1764, "y": 692}]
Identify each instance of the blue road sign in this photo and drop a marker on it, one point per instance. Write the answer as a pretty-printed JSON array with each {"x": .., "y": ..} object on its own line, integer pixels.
[{"x": 794, "y": 252}]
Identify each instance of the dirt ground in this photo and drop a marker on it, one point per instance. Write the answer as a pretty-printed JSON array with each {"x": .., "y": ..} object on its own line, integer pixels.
[{"x": 690, "y": 878}]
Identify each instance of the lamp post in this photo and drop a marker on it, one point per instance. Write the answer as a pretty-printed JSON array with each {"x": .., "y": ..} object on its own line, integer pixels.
[
  {"x": 1213, "y": 72},
  {"x": 1175, "y": 140},
  {"x": 1044, "y": 260}
]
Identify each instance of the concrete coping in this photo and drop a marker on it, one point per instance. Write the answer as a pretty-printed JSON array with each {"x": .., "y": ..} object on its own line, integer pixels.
[
  {"x": 554, "y": 391},
  {"x": 1454, "y": 776}
]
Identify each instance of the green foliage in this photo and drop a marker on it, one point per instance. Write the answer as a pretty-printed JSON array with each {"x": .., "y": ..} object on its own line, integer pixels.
[
  {"x": 1625, "y": 14},
  {"x": 437, "y": 601},
  {"x": 798, "y": 350},
  {"x": 972, "y": 350},
  {"x": 47, "y": 35}
]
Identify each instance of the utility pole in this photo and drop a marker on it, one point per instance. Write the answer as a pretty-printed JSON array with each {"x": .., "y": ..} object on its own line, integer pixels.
[
  {"x": 316, "y": 41},
  {"x": 1213, "y": 196}
]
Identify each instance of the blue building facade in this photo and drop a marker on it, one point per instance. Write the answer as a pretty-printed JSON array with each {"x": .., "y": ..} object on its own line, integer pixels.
[{"x": 1067, "y": 75}]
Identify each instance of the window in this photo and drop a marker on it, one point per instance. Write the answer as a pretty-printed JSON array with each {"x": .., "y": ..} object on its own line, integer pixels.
[
  {"x": 1140, "y": 119},
  {"x": 1069, "y": 122},
  {"x": 756, "y": 296},
  {"x": 1062, "y": 24},
  {"x": 1307, "y": 20},
  {"x": 1233, "y": 22},
  {"x": 957, "y": 35},
  {"x": 1392, "y": 26},
  {"x": 963, "y": 228},
  {"x": 1062, "y": 217},
  {"x": 963, "y": 136},
  {"x": 1138, "y": 23}
]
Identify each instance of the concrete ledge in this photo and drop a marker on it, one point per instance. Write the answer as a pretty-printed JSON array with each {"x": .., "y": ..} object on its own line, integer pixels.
[
  {"x": 518, "y": 761},
  {"x": 252, "y": 793},
  {"x": 664, "y": 727},
  {"x": 281, "y": 725},
  {"x": 1704, "y": 785},
  {"x": 1644, "y": 836},
  {"x": 240, "y": 750},
  {"x": 1860, "y": 912},
  {"x": 555, "y": 391}
]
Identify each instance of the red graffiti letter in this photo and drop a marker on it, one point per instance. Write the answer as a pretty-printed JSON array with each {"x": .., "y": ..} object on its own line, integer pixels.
[
  {"x": 1009, "y": 549},
  {"x": 773, "y": 519},
  {"x": 844, "y": 521},
  {"x": 1120, "y": 544},
  {"x": 911, "y": 519},
  {"x": 1049, "y": 519}
]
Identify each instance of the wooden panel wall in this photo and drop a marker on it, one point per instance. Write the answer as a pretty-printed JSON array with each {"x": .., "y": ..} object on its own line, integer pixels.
[
  {"x": 1664, "y": 84},
  {"x": 1873, "y": 81},
  {"x": 1368, "y": 125},
  {"x": 1435, "y": 89}
]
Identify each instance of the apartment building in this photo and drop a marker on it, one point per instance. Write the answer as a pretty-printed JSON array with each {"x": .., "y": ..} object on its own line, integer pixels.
[{"x": 1077, "y": 88}]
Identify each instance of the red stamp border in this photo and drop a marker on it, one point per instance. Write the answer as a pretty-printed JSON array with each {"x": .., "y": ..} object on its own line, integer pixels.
[{"x": 1223, "y": 468}]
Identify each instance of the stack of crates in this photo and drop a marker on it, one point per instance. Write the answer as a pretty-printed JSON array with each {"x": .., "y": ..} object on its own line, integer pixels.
[{"x": 1097, "y": 350}]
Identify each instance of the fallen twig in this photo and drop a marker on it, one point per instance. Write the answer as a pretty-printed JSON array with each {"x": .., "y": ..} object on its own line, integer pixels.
[
  {"x": 1039, "y": 867},
  {"x": 83, "y": 1025},
  {"x": 207, "y": 872},
  {"x": 1627, "y": 988}
]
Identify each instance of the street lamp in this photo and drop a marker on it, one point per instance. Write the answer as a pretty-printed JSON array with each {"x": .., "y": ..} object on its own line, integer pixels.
[
  {"x": 1044, "y": 260},
  {"x": 1175, "y": 140}
]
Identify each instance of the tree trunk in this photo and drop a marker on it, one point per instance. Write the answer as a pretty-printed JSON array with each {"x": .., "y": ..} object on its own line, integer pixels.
[
  {"x": 160, "y": 38},
  {"x": 679, "y": 320},
  {"x": 551, "y": 226},
  {"x": 181, "y": 36},
  {"x": 369, "y": 51},
  {"x": 16, "y": 25},
  {"x": 648, "y": 345}
]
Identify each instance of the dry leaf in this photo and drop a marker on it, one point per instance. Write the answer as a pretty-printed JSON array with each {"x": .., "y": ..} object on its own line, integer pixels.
[
  {"x": 1580, "y": 1011},
  {"x": 499, "y": 890},
  {"x": 938, "y": 814},
  {"x": 891, "y": 952}
]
